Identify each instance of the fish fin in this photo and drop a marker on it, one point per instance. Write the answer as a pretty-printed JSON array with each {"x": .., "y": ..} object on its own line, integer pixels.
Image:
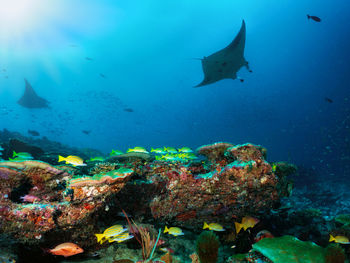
[
  {"x": 14, "y": 154},
  {"x": 308, "y": 16},
  {"x": 331, "y": 238},
  {"x": 166, "y": 229},
  {"x": 60, "y": 158},
  {"x": 99, "y": 237},
  {"x": 238, "y": 227},
  {"x": 205, "y": 225}
]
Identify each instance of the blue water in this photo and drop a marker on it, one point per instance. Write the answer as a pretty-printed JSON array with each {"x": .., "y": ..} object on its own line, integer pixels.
[{"x": 145, "y": 51}]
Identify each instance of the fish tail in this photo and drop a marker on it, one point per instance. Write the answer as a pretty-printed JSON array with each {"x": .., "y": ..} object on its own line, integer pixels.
[
  {"x": 99, "y": 237},
  {"x": 238, "y": 227},
  {"x": 205, "y": 225},
  {"x": 166, "y": 229},
  {"x": 14, "y": 154},
  {"x": 61, "y": 158},
  {"x": 308, "y": 16},
  {"x": 331, "y": 238}
]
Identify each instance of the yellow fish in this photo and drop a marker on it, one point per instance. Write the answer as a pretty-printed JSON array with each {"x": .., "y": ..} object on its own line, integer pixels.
[
  {"x": 115, "y": 152},
  {"x": 339, "y": 239},
  {"x": 120, "y": 238},
  {"x": 97, "y": 159},
  {"x": 138, "y": 150},
  {"x": 190, "y": 156},
  {"x": 71, "y": 159},
  {"x": 22, "y": 155},
  {"x": 185, "y": 150},
  {"x": 170, "y": 149},
  {"x": 175, "y": 231},
  {"x": 247, "y": 222},
  {"x": 158, "y": 151},
  {"x": 213, "y": 226},
  {"x": 169, "y": 157},
  {"x": 110, "y": 233}
]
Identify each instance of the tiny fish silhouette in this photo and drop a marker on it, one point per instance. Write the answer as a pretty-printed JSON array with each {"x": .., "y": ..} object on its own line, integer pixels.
[
  {"x": 128, "y": 110},
  {"x": 328, "y": 100},
  {"x": 87, "y": 58},
  {"x": 102, "y": 75},
  {"x": 33, "y": 133},
  {"x": 87, "y": 132},
  {"x": 315, "y": 18}
]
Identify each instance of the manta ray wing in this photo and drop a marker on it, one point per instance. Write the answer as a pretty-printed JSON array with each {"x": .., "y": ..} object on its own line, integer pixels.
[
  {"x": 225, "y": 63},
  {"x": 30, "y": 99}
]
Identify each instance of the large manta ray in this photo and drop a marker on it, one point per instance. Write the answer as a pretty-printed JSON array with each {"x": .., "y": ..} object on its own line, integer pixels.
[
  {"x": 225, "y": 63},
  {"x": 30, "y": 99}
]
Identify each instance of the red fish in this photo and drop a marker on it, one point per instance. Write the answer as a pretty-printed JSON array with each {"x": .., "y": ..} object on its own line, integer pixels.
[
  {"x": 263, "y": 234},
  {"x": 30, "y": 198},
  {"x": 66, "y": 250},
  {"x": 315, "y": 18}
]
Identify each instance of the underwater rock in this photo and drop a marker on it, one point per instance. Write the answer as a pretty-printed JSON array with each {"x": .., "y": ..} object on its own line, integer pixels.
[
  {"x": 214, "y": 152},
  {"x": 223, "y": 194},
  {"x": 131, "y": 157},
  {"x": 38, "y": 200},
  {"x": 246, "y": 152}
]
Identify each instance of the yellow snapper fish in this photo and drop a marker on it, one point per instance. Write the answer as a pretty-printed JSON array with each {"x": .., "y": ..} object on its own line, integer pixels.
[
  {"x": 19, "y": 159},
  {"x": 185, "y": 150},
  {"x": 137, "y": 150},
  {"x": 120, "y": 238},
  {"x": 339, "y": 239},
  {"x": 158, "y": 151},
  {"x": 175, "y": 231},
  {"x": 97, "y": 159},
  {"x": 169, "y": 157},
  {"x": 71, "y": 159},
  {"x": 170, "y": 149},
  {"x": 247, "y": 222},
  {"x": 110, "y": 233},
  {"x": 190, "y": 156},
  {"x": 22, "y": 155},
  {"x": 213, "y": 226},
  {"x": 115, "y": 153}
]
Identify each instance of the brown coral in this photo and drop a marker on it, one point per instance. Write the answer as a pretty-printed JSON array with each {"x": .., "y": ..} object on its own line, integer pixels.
[{"x": 214, "y": 152}]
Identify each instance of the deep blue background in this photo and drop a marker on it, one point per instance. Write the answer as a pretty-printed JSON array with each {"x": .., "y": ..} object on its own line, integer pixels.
[{"x": 145, "y": 49}]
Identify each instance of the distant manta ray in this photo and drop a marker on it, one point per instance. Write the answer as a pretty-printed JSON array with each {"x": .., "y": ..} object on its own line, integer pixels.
[
  {"x": 30, "y": 99},
  {"x": 225, "y": 63}
]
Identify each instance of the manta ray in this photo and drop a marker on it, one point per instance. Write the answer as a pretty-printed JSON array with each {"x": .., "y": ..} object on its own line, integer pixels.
[
  {"x": 225, "y": 63},
  {"x": 30, "y": 99}
]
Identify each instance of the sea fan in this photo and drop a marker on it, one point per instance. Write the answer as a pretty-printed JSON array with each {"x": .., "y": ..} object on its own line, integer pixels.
[{"x": 207, "y": 247}]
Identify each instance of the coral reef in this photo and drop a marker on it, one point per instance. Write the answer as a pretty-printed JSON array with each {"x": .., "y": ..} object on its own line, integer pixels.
[
  {"x": 214, "y": 152},
  {"x": 37, "y": 199},
  {"x": 229, "y": 191},
  {"x": 41, "y": 202}
]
